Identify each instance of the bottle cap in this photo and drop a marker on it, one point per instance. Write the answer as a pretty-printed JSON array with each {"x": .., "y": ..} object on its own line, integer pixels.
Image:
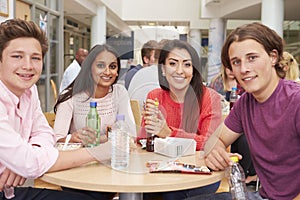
[
  {"x": 234, "y": 159},
  {"x": 156, "y": 103},
  {"x": 93, "y": 104},
  {"x": 120, "y": 117}
]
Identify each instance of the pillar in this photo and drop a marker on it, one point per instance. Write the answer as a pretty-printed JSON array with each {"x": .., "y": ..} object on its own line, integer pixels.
[
  {"x": 216, "y": 38},
  {"x": 195, "y": 40},
  {"x": 272, "y": 15},
  {"x": 98, "y": 28}
]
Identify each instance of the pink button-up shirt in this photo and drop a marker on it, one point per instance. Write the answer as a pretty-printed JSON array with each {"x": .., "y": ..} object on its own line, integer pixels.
[{"x": 26, "y": 139}]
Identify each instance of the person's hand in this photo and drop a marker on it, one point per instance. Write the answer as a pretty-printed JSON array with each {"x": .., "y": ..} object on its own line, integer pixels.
[
  {"x": 218, "y": 158},
  {"x": 85, "y": 136},
  {"x": 103, "y": 138},
  {"x": 101, "y": 152},
  {"x": 155, "y": 122},
  {"x": 8, "y": 178}
]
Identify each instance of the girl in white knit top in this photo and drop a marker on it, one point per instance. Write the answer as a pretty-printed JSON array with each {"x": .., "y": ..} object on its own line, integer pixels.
[{"x": 95, "y": 82}]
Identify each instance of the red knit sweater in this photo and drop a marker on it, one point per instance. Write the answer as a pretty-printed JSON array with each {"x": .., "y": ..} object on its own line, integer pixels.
[{"x": 210, "y": 115}]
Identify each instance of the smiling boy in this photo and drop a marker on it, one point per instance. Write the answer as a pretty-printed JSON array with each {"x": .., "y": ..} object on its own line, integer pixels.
[
  {"x": 268, "y": 113},
  {"x": 26, "y": 139}
]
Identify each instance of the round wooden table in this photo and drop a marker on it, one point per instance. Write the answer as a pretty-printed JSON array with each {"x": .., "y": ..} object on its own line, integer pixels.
[{"x": 135, "y": 180}]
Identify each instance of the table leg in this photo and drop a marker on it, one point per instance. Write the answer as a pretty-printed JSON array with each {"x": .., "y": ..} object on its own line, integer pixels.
[{"x": 130, "y": 196}]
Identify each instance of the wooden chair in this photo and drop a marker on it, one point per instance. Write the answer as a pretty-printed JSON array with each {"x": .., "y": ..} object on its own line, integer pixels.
[
  {"x": 50, "y": 116},
  {"x": 54, "y": 89},
  {"x": 135, "y": 107}
]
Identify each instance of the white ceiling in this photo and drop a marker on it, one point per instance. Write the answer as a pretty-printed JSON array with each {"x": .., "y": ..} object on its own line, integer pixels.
[{"x": 82, "y": 13}]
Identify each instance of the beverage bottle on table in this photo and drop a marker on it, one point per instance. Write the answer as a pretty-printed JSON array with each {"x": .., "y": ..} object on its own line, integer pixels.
[
  {"x": 237, "y": 183},
  {"x": 233, "y": 97},
  {"x": 151, "y": 137},
  {"x": 120, "y": 139},
  {"x": 93, "y": 122}
]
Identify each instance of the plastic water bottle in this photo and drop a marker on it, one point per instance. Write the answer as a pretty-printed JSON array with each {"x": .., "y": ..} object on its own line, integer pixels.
[
  {"x": 233, "y": 97},
  {"x": 237, "y": 183},
  {"x": 93, "y": 122},
  {"x": 120, "y": 140},
  {"x": 151, "y": 137}
]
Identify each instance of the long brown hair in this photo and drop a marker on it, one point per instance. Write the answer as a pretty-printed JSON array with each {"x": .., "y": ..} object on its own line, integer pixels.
[{"x": 84, "y": 82}]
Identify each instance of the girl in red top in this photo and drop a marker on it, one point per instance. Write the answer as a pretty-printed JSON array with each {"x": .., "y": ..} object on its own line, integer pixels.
[{"x": 187, "y": 108}]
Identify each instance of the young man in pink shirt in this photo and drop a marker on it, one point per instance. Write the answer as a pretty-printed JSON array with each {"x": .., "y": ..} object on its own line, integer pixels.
[{"x": 26, "y": 139}]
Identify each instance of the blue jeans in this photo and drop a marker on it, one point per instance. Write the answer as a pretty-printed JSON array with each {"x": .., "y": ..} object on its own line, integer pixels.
[{"x": 182, "y": 194}]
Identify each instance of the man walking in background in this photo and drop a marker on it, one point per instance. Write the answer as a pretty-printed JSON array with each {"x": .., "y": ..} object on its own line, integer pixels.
[{"x": 73, "y": 69}]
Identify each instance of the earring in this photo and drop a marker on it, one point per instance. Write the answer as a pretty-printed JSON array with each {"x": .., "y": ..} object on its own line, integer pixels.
[{"x": 163, "y": 74}]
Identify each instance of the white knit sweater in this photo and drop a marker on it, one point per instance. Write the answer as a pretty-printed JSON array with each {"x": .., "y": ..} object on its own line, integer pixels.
[{"x": 71, "y": 114}]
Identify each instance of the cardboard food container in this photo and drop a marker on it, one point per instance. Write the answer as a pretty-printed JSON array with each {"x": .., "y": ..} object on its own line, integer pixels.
[
  {"x": 174, "y": 147},
  {"x": 70, "y": 146}
]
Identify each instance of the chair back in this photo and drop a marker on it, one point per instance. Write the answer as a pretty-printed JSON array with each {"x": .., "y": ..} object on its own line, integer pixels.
[
  {"x": 135, "y": 107},
  {"x": 50, "y": 116},
  {"x": 54, "y": 89}
]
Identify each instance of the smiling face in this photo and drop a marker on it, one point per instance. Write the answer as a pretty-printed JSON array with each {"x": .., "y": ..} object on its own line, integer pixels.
[
  {"x": 105, "y": 69},
  {"x": 21, "y": 64},
  {"x": 178, "y": 69},
  {"x": 254, "y": 68}
]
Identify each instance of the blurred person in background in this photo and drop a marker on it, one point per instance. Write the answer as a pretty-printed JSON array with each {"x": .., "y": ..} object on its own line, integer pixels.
[
  {"x": 290, "y": 66},
  {"x": 224, "y": 82},
  {"x": 148, "y": 58},
  {"x": 73, "y": 69}
]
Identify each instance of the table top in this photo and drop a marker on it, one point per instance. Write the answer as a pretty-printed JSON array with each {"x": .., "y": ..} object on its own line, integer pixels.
[{"x": 135, "y": 179}]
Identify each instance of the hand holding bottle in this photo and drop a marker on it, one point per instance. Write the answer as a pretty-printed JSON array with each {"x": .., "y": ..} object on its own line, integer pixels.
[
  {"x": 83, "y": 135},
  {"x": 155, "y": 122},
  {"x": 87, "y": 136},
  {"x": 218, "y": 158}
]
